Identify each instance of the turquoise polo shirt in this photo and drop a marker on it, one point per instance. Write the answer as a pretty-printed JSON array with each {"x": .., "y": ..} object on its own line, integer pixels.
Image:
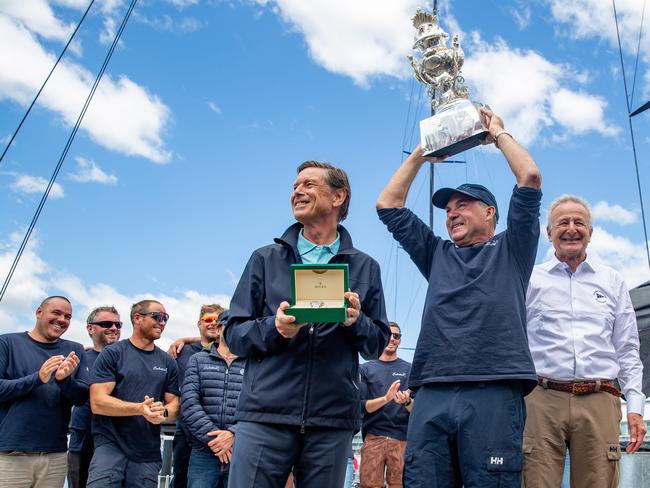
[{"x": 313, "y": 253}]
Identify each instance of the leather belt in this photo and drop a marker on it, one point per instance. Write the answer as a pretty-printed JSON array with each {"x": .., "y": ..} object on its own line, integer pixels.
[{"x": 580, "y": 387}]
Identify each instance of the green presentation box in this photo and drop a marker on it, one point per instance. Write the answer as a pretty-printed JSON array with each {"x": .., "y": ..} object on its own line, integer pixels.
[{"x": 317, "y": 292}]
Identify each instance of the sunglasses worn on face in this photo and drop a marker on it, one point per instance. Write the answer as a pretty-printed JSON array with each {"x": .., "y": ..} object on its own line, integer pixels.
[
  {"x": 107, "y": 324},
  {"x": 157, "y": 316},
  {"x": 210, "y": 320},
  {"x": 396, "y": 335}
]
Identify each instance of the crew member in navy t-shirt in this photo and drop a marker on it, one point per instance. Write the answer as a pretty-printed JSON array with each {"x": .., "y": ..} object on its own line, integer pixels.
[
  {"x": 386, "y": 406},
  {"x": 103, "y": 326},
  {"x": 134, "y": 388},
  {"x": 40, "y": 380},
  {"x": 472, "y": 366},
  {"x": 183, "y": 349}
]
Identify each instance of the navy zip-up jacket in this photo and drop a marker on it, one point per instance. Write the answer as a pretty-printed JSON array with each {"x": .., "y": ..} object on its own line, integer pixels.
[
  {"x": 210, "y": 393},
  {"x": 312, "y": 379}
]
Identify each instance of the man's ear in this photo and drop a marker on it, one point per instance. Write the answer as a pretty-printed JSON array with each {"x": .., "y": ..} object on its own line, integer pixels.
[{"x": 339, "y": 197}]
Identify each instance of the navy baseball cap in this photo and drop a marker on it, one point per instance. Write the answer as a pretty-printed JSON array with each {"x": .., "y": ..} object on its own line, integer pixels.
[{"x": 479, "y": 192}]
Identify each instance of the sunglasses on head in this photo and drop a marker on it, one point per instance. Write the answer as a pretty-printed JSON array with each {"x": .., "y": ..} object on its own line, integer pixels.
[
  {"x": 396, "y": 335},
  {"x": 107, "y": 324},
  {"x": 157, "y": 316},
  {"x": 210, "y": 319}
]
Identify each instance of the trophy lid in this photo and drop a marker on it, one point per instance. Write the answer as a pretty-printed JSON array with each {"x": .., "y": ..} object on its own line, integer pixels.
[{"x": 429, "y": 34}]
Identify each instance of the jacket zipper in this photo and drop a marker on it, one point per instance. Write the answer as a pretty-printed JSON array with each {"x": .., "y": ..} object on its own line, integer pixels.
[
  {"x": 310, "y": 347},
  {"x": 225, "y": 395}
]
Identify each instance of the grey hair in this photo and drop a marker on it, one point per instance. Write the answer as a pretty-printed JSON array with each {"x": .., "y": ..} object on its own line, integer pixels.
[
  {"x": 564, "y": 199},
  {"x": 105, "y": 308}
]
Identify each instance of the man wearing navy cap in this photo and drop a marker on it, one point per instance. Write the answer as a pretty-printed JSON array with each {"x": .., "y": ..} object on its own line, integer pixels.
[{"x": 472, "y": 366}]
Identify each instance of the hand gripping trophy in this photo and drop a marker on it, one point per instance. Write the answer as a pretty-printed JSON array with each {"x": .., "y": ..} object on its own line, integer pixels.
[{"x": 457, "y": 124}]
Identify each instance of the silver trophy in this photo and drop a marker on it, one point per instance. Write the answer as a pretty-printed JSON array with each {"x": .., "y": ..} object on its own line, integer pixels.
[{"x": 456, "y": 124}]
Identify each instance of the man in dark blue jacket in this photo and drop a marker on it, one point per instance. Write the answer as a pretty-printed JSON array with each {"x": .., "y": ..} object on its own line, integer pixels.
[
  {"x": 300, "y": 402},
  {"x": 40, "y": 379},
  {"x": 210, "y": 325},
  {"x": 472, "y": 366},
  {"x": 209, "y": 400}
]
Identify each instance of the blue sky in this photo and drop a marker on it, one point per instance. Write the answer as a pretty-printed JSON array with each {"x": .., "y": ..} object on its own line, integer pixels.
[{"x": 185, "y": 161}]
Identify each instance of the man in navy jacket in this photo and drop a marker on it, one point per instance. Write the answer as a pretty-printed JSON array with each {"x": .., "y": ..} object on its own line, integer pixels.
[
  {"x": 300, "y": 401},
  {"x": 472, "y": 366}
]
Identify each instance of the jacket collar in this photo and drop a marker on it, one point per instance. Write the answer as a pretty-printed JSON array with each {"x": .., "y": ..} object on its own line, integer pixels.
[{"x": 290, "y": 239}]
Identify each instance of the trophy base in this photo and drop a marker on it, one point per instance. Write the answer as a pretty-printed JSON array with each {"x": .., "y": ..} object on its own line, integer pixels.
[
  {"x": 454, "y": 129},
  {"x": 460, "y": 146}
]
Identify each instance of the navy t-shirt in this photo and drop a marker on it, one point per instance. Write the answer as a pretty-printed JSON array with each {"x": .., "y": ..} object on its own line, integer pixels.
[
  {"x": 184, "y": 356},
  {"x": 474, "y": 318},
  {"x": 392, "y": 419},
  {"x": 181, "y": 361},
  {"x": 136, "y": 373},
  {"x": 81, "y": 416},
  {"x": 34, "y": 416}
]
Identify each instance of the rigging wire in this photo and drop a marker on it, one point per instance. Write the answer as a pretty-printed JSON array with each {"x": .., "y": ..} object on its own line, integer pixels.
[
  {"x": 638, "y": 51},
  {"x": 41, "y": 204},
  {"x": 31, "y": 105},
  {"x": 629, "y": 119}
]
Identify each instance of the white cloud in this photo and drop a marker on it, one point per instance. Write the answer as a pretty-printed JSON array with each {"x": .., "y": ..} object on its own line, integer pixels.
[
  {"x": 88, "y": 171},
  {"x": 527, "y": 90},
  {"x": 38, "y": 17},
  {"x": 605, "y": 212},
  {"x": 107, "y": 35},
  {"x": 372, "y": 36},
  {"x": 35, "y": 184},
  {"x": 34, "y": 280},
  {"x": 620, "y": 253},
  {"x": 123, "y": 115},
  {"x": 521, "y": 14},
  {"x": 214, "y": 107},
  {"x": 28, "y": 285},
  {"x": 580, "y": 112},
  {"x": 183, "y": 3},
  {"x": 594, "y": 19}
]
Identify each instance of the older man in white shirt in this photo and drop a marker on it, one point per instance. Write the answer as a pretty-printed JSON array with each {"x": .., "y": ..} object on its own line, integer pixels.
[{"x": 583, "y": 335}]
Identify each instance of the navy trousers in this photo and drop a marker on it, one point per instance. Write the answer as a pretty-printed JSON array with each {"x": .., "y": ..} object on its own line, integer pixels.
[
  {"x": 181, "y": 455},
  {"x": 264, "y": 455},
  {"x": 466, "y": 434}
]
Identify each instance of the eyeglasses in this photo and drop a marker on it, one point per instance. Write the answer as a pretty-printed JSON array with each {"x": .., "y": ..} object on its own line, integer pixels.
[
  {"x": 210, "y": 319},
  {"x": 107, "y": 324},
  {"x": 396, "y": 335},
  {"x": 157, "y": 316}
]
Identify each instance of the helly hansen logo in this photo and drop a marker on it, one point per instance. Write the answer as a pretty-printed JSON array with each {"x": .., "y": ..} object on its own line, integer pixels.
[
  {"x": 496, "y": 460},
  {"x": 613, "y": 448}
]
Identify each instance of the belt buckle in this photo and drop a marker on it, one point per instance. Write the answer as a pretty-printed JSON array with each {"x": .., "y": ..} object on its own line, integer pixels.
[{"x": 573, "y": 386}]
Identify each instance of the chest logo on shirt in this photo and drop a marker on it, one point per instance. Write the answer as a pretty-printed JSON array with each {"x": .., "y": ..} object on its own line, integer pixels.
[
  {"x": 159, "y": 368},
  {"x": 400, "y": 374},
  {"x": 600, "y": 296}
]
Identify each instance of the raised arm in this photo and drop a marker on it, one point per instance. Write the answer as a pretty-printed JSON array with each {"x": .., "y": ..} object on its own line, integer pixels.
[
  {"x": 520, "y": 161},
  {"x": 395, "y": 193}
]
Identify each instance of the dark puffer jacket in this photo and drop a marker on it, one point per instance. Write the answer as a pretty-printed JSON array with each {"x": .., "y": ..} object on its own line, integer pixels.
[{"x": 210, "y": 394}]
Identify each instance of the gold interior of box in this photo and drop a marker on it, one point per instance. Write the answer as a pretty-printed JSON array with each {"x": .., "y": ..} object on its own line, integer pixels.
[{"x": 319, "y": 288}]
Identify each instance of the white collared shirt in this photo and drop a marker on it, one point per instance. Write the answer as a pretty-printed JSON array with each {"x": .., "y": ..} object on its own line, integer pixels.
[{"x": 582, "y": 326}]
